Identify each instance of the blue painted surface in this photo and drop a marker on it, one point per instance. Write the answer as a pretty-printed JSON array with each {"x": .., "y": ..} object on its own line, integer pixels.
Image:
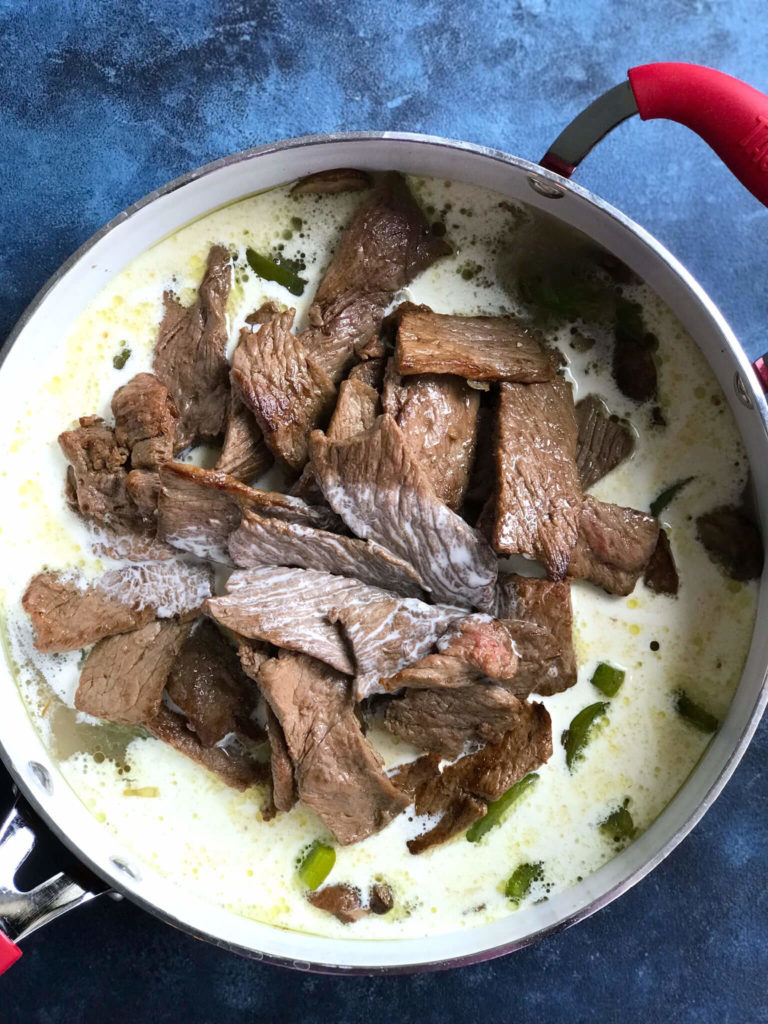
[{"x": 102, "y": 102}]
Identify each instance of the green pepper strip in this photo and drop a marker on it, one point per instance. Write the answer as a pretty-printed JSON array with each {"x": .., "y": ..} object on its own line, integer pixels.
[
  {"x": 317, "y": 864},
  {"x": 279, "y": 272},
  {"x": 618, "y": 825},
  {"x": 608, "y": 679},
  {"x": 666, "y": 497},
  {"x": 695, "y": 713},
  {"x": 498, "y": 809},
  {"x": 576, "y": 736},
  {"x": 520, "y": 881}
]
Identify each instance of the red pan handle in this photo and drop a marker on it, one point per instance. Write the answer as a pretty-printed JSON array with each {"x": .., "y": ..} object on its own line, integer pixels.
[{"x": 9, "y": 953}]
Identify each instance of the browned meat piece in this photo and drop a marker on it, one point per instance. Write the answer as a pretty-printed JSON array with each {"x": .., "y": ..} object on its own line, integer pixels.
[
  {"x": 338, "y": 774},
  {"x": 604, "y": 441},
  {"x": 260, "y": 541},
  {"x": 124, "y": 676},
  {"x": 538, "y": 490},
  {"x": 292, "y": 608},
  {"x": 198, "y": 509},
  {"x": 482, "y": 477},
  {"x": 143, "y": 486},
  {"x": 382, "y": 494},
  {"x": 385, "y": 245},
  {"x": 614, "y": 546},
  {"x": 190, "y": 354},
  {"x": 414, "y": 775},
  {"x": 381, "y": 898},
  {"x": 67, "y": 613},
  {"x": 281, "y": 766},
  {"x": 462, "y": 811},
  {"x": 288, "y": 393},
  {"x": 661, "y": 572},
  {"x": 733, "y": 541},
  {"x": 634, "y": 368},
  {"x": 370, "y": 372},
  {"x": 339, "y": 179},
  {"x": 343, "y": 901},
  {"x": 447, "y": 721},
  {"x": 129, "y": 545},
  {"x": 475, "y": 347},
  {"x": 539, "y": 615},
  {"x": 438, "y": 418},
  {"x": 244, "y": 455},
  {"x": 231, "y": 763},
  {"x": 145, "y": 421},
  {"x": 471, "y": 649},
  {"x": 208, "y": 684},
  {"x": 97, "y": 475}
]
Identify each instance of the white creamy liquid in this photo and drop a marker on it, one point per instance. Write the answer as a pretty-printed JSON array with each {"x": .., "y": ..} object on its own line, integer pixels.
[{"x": 188, "y": 826}]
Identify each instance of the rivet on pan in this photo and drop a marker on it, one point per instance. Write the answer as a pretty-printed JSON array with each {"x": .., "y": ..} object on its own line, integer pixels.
[
  {"x": 545, "y": 188},
  {"x": 301, "y": 965},
  {"x": 741, "y": 391},
  {"x": 41, "y": 775},
  {"x": 116, "y": 896},
  {"x": 125, "y": 868}
]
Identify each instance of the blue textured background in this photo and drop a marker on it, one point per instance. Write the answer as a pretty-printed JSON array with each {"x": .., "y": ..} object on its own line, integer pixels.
[{"x": 102, "y": 102}]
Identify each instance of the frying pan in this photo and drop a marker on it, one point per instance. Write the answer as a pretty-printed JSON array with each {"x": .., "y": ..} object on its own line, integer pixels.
[{"x": 733, "y": 118}]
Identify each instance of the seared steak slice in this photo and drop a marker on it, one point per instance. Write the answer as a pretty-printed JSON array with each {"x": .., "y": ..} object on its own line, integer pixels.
[
  {"x": 244, "y": 455},
  {"x": 370, "y": 372},
  {"x": 475, "y": 347},
  {"x": 382, "y": 493},
  {"x": 661, "y": 572},
  {"x": 447, "y": 721},
  {"x": 538, "y": 490},
  {"x": 384, "y": 246},
  {"x": 438, "y": 418},
  {"x": 614, "y": 546},
  {"x": 143, "y": 485},
  {"x": 209, "y": 685},
  {"x": 288, "y": 393},
  {"x": 733, "y": 541},
  {"x": 128, "y": 545},
  {"x": 482, "y": 477},
  {"x": 124, "y": 676},
  {"x": 471, "y": 649},
  {"x": 190, "y": 354},
  {"x": 343, "y": 901},
  {"x": 281, "y": 766},
  {"x": 67, "y": 613},
  {"x": 539, "y": 615},
  {"x": 604, "y": 442},
  {"x": 458, "y": 813},
  {"x": 260, "y": 541},
  {"x": 96, "y": 479},
  {"x": 386, "y": 632},
  {"x": 145, "y": 421},
  {"x": 338, "y": 774},
  {"x": 198, "y": 509},
  {"x": 338, "y": 179}
]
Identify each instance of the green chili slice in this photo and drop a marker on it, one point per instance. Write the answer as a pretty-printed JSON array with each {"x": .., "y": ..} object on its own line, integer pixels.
[
  {"x": 619, "y": 826},
  {"x": 498, "y": 809},
  {"x": 608, "y": 679},
  {"x": 272, "y": 271},
  {"x": 520, "y": 881},
  {"x": 317, "y": 864},
  {"x": 576, "y": 737},
  {"x": 667, "y": 496},
  {"x": 695, "y": 713}
]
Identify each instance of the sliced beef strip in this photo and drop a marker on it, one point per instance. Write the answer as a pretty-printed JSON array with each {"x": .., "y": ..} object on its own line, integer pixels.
[
  {"x": 733, "y": 541},
  {"x": 244, "y": 455},
  {"x": 198, "y": 509},
  {"x": 288, "y": 393},
  {"x": 538, "y": 501},
  {"x": 338, "y": 774},
  {"x": 381, "y": 899},
  {"x": 471, "y": 649},
  {"x": 603, "y": 443},
  {"x": 370, "y": 372},
  {"x": 474, "y": 347},
  {"x": 128, "y": 545},
  {"x": 96, "y": 479},
  {"x": 143, "y": 485},
  {"x": 381, "y": 492},
  {"x": 208, "y": 684},
  {"x": 539, "y": 616},
  {"x": 281, "y": 766},
  {"x": 261, "y": 541},
  {"x": 345, "y": 902},
  {"x": 447, "y": 721},
  {"x": 190, "y": 354},
  {"x": 461, "y": 791},
  {"x": 338, "y": 179},
  {"x": 146, "y": 421},
  {"x": 385, "y": 245},
  {"x": 661, "y": 572},
  {"x": 438, "y": 416},
  {"x": 68, "y": 613},
  {"x": 482, "y": 476},
  {"x": 614, "y": 546},
  {"x": 123, "y": 677}
]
